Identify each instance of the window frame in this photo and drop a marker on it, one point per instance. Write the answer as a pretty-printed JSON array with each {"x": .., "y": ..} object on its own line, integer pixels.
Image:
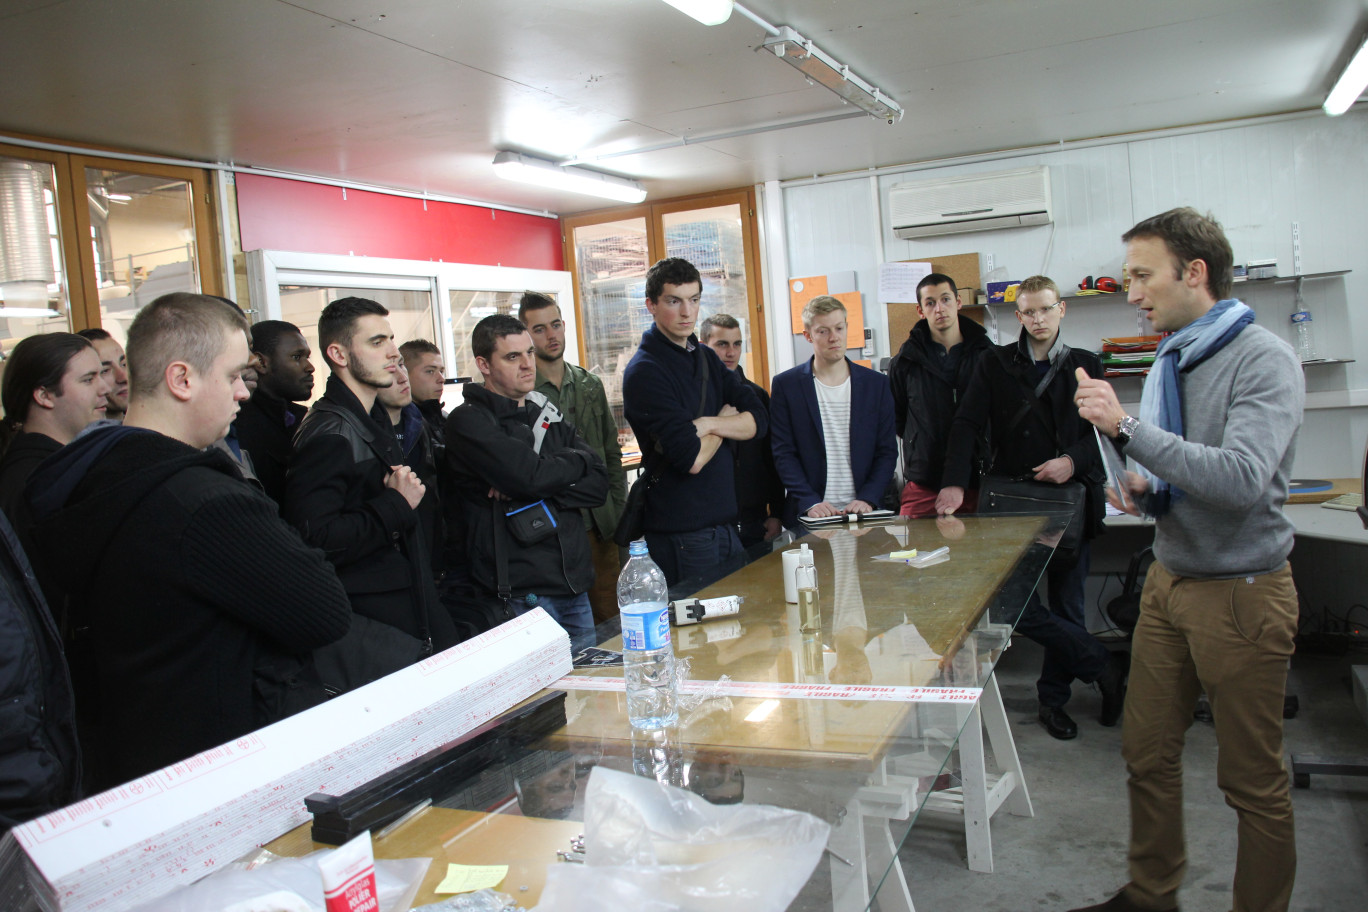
[{"x": 654, "y": 214}]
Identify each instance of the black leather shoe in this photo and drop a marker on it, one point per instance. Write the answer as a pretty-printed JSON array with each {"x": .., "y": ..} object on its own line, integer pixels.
[
  {"x": 1112, "y": 683},
  {"x": 1120, "y": 903},
  {"x": 1058, "y": 723}
]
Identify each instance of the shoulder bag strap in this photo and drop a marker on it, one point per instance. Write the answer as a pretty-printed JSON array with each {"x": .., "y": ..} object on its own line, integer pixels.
[
  {"x": 500, "y": 554},
  {"x": 1031, "y": 403}
]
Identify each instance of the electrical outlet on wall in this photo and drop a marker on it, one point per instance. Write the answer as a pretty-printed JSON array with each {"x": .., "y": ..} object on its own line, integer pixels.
[{"x": 988, "y": 261}]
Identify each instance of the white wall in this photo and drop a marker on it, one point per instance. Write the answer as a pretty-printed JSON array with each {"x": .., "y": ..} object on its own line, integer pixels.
[{"x": 1257, "y": 180}]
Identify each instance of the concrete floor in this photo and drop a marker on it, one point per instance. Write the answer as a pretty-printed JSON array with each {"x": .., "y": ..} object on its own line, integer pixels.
[{"x": 1073, "y": 851}]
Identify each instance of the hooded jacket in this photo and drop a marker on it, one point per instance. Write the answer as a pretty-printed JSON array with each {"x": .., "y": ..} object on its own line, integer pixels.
[
  {"x": 25, "y": 453},
  {"x": 926, "y": 395},
  {"x": 176, "y": 580},
  {"x": 489, "y": 443}
]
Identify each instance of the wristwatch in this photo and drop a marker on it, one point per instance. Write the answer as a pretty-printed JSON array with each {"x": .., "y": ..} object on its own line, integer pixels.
[{"x": 1125, "y": 428}]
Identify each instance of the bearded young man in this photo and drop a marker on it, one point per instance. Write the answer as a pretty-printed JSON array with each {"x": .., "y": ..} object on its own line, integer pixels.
[{"x": 348, "y": 490}]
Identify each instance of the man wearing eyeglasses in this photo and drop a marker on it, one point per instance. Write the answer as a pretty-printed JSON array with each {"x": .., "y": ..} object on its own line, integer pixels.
[
  {"x": 831, "y": 424},
  {"x": 1024, "y": 392},
  {"x": 929, "y": 377}
]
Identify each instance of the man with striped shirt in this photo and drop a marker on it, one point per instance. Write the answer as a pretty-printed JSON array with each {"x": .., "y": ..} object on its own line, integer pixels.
[{"x": 833, "y": 432}]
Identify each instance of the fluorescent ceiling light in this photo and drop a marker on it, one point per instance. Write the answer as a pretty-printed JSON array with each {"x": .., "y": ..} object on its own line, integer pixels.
[
  {"x": 1351, "y": 84},
  {"x": 543, "y": 173},
  {"x": 821, "y": 67},
  {"x": 26, "y": 313},
  {"x": 708, "y": 12}
]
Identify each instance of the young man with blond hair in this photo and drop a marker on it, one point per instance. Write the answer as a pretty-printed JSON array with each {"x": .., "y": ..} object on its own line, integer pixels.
[
  {"x": 1023, "y": 392},
  {"x": 833, "y": 428}
]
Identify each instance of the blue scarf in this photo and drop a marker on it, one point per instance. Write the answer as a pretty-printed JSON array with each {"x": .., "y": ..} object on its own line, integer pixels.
[{"x": 1161, "y": 402}]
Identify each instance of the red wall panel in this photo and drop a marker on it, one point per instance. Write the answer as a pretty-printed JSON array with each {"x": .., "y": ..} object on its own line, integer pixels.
[{"x": 279, "y": 214}]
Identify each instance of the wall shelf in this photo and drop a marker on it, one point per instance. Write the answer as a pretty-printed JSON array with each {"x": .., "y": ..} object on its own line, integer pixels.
[{"x": 1283, "y": 280}]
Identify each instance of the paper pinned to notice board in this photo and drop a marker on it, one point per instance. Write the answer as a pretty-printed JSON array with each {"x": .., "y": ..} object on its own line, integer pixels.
[
  {"x": 854, "y": 318},
  {"x": 898, "y": 281},
  {"x": 800, "y": 292}
]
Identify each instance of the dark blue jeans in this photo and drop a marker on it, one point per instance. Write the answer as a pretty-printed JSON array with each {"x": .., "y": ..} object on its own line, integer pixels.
[
  {"x": 696, "y": 558},
  {"x": 570, "y": 611},
  {"x": 1070, "y": 651}
]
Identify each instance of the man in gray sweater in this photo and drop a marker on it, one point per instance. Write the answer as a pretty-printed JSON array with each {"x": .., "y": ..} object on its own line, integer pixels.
[{"x": 1214, "y": 441}]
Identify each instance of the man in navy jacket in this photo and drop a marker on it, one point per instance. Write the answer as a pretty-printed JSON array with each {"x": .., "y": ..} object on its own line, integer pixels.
[
  {"x": 835, "y": 444},
  {"x": 684, "y": 405}
]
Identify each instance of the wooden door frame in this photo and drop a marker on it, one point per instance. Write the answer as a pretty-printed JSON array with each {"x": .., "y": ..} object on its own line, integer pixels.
[
  {"x": 64, "y": 197},
  {"x": 655, "y": 247},
  {"x": 73, "y": 222},
  {"x": 201, "y": 210}
]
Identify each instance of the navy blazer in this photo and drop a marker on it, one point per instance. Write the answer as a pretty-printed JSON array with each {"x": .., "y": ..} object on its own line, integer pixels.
[{"x": 800, "y": 447}]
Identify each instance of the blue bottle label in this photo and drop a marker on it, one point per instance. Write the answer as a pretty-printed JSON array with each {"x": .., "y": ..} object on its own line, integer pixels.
[{"x": 646, "y": 626}]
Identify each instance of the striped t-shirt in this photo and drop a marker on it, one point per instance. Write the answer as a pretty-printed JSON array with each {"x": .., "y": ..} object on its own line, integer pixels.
[{"x": 834, "y": 404}]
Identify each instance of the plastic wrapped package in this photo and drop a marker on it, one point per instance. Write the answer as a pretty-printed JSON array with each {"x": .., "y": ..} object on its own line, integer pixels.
[
  {"x": 288, "y": 885},
  {"x": 656, "y": 848}
]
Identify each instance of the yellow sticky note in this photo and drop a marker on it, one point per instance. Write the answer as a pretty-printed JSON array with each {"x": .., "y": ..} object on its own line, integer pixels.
[{"x": 467, "y": 878}]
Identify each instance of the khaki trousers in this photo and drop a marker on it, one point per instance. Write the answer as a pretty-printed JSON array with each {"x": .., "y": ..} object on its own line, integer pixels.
[
  {"x": 1231, "y": 637},
  {"x": 607, "y": 566}
]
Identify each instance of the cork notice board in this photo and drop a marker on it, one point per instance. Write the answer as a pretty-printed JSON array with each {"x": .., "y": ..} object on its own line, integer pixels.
[{"x": 962, "y": 267}]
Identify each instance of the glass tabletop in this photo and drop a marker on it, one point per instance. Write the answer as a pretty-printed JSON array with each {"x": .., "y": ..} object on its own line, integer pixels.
[{"x": 851, "y": 716}]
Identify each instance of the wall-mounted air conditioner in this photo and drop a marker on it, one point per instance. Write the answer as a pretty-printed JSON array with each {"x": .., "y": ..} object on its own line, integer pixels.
[{"x": 973, "y": 202}]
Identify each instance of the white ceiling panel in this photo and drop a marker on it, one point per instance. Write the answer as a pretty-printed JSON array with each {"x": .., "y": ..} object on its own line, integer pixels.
[{"x": 420, "y": 94}]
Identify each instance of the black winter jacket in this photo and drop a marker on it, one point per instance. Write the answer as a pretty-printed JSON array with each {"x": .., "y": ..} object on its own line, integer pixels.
[
  {"x": 179, "y": 581},
  {"x": 263, "y": 432},
  {"x": 999, "y": 394},
  {"x": 489, "y": 444},
  {"x": 925, "y": 397},
  {"x": 39, "y": 761},
  {"x": 759, "y": 492},
  {"x": 335, "y": 495}
]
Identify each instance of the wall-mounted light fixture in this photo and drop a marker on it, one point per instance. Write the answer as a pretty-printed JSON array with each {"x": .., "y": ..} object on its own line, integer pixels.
[
  {"x": 708, "y": 12},
  {"x": 528, "y": 169},
  {"x": 821, "y": 67},
  {"x": 1351, "y": 84}
]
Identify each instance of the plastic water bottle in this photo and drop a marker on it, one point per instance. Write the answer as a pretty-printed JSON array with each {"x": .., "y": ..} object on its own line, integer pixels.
[
  {"x": 647, "y": 656},
  {"x": 1306, "y": 340}
]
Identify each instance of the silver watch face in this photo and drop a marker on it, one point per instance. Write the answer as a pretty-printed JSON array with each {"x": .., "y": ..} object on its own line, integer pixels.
[{"x": 1127, "y": 425}]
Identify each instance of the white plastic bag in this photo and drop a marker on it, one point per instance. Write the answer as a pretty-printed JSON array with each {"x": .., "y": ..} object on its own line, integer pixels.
[{"x": 656, "y": 848}]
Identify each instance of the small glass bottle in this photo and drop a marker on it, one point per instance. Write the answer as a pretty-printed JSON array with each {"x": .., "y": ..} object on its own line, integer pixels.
[{"x": 809, "y": 605}]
